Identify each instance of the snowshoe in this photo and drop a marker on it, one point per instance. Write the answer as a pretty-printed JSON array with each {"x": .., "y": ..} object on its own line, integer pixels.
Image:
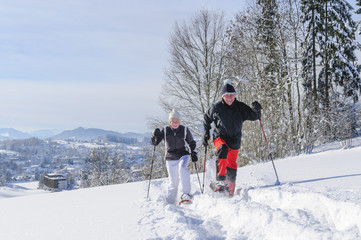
[
  {"x": 185, "y": 199},
  {"x": 219, "y": 186}
]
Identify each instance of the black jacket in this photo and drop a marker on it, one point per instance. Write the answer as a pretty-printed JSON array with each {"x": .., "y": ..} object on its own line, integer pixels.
[
  {"x": 177, "y": 145},
  {"x": 228, "y": 121}
]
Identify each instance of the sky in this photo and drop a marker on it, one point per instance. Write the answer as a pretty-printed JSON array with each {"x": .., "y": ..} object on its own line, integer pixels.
[{"x": 89, "y": 63}]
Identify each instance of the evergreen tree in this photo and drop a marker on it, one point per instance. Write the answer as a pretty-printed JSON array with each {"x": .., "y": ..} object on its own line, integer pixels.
[
  {"x": 271, "y": 82},
  {"x": 343, "y": 65},
  {"x": 358, "y": 11},
  {"x": 311, "y": 12},
  {"x": 267, "y": 28},
  {"x": 329, "y": 64}
]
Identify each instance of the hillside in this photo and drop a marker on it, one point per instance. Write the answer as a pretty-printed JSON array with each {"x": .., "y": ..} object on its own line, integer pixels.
[
  {"x": 87, "y": 134},
  {"x": 319, "y": 198},
  {"x": 10, "y": 133},
  {"x": 84, "y": 134},
  {"x": 80, "y": 133}
]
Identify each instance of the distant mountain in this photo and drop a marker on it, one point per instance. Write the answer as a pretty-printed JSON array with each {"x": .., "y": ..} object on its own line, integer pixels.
[
  {"x": 85, "y": 134},
  {"x": 81, "y": 133},
  {"x": 45, "y": 133},
  {"x": 10, "y": 133}
]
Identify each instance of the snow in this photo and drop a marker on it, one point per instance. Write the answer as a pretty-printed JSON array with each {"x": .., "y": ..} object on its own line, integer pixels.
[
  {"x": 319, "y": 198},
  {"x": 18, "y": 189}
]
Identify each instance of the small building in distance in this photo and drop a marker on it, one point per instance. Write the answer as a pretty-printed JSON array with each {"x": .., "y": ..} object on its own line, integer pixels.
[{"x": 55, "y": 182}]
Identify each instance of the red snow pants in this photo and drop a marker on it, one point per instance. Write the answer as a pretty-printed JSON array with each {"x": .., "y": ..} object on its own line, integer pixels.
[{"x": 230, "y": 161}]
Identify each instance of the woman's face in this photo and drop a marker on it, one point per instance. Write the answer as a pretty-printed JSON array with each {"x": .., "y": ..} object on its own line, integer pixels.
[{"x": 174, "y": 123}]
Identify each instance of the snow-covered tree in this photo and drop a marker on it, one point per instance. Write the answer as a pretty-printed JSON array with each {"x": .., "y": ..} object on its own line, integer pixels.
[
  {"x": 155, "y": 156},
  {"x": 329, "y": 64},
  {"x": 194, "y": 77},
  {"x": 264, "y": 54},
  {"x": 311, "y": 18},
  {"x": 358, "y": 11},
  {"x": 104, "y": 169},
  {"x": 269, "y": 51}
]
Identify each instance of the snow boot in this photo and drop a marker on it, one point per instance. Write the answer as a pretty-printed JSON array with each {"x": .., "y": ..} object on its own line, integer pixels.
[
  {"x": 186, "y": 196},
  {"x": 231, "y": 180},
  {"x": 231, "y": 186},
  {"x": 219, "y": 186}
]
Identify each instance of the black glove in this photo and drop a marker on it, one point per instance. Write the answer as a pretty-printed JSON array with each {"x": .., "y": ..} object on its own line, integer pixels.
[
  {"x": 156, "y": 135},
  {"x": 257, "y": 107},
  {"x": 194, "y": 157},
  {"x": 205, "y": 139}
]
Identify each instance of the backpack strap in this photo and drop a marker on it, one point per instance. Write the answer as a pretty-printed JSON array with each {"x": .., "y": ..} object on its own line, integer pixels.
[
  {"x": 165, "y": 142},
  {"x": 185, "y": 142},
  {"x": 185, "y": 133}
]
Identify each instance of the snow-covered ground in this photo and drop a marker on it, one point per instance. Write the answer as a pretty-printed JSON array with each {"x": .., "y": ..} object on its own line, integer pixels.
[
  {"x": 319, "y": 198},
  {"x": 18, "y": 189}
]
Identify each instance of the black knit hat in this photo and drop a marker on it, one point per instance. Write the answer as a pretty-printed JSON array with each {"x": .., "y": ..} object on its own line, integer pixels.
[{"x": 228, "y": 88}]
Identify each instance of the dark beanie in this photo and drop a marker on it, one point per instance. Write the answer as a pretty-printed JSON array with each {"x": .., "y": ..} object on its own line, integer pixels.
[{"x": 228, "y": 88}]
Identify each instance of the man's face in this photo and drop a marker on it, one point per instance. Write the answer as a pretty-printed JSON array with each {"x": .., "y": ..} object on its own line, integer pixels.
[
  {"x": 229, "y": 99},
  {"x": 174, "y": 123}
]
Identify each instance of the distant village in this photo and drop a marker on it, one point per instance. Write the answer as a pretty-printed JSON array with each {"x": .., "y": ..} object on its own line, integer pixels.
[{"x": 69, "y": 163}]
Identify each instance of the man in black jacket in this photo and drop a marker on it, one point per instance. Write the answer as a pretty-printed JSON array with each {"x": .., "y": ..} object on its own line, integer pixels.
[{"x": 228, "y": 116}]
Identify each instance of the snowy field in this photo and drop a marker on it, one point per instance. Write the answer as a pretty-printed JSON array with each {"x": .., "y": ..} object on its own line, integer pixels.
[
  {"x": 319, "y": 198},
  {"x": 18, "y": 189}
]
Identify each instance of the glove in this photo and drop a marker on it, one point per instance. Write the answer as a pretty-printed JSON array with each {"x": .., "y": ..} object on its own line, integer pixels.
[
  {"x": 156, "y": 135},
  {"x": 194, "y": 157},
  {"x": 205, "y": 139},
  {"x": 257, "y": 107}
]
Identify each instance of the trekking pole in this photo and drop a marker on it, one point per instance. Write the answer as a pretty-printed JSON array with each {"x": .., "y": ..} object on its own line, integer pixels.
[
  {"x": 195, "y": 165},
  {"x": 204, "y": 167},
  {"x": 151, "y": 169},
  {"x": 269, "y": 152}
]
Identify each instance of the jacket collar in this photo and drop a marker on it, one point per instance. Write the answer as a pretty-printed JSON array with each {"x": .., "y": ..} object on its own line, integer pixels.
[{"x": 175, "y": 130}]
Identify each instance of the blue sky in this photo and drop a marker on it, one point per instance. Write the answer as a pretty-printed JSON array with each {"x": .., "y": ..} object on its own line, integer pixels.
[{"x": 89, "y": 63}]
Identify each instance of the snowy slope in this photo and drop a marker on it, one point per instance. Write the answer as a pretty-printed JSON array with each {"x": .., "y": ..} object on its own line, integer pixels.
[
  {"x": 18, "y": 189},
  {"x": 319, "y": 198}
]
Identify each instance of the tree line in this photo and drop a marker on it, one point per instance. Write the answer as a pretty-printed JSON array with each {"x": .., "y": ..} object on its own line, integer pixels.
[{"x": 297, "y": 58}]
